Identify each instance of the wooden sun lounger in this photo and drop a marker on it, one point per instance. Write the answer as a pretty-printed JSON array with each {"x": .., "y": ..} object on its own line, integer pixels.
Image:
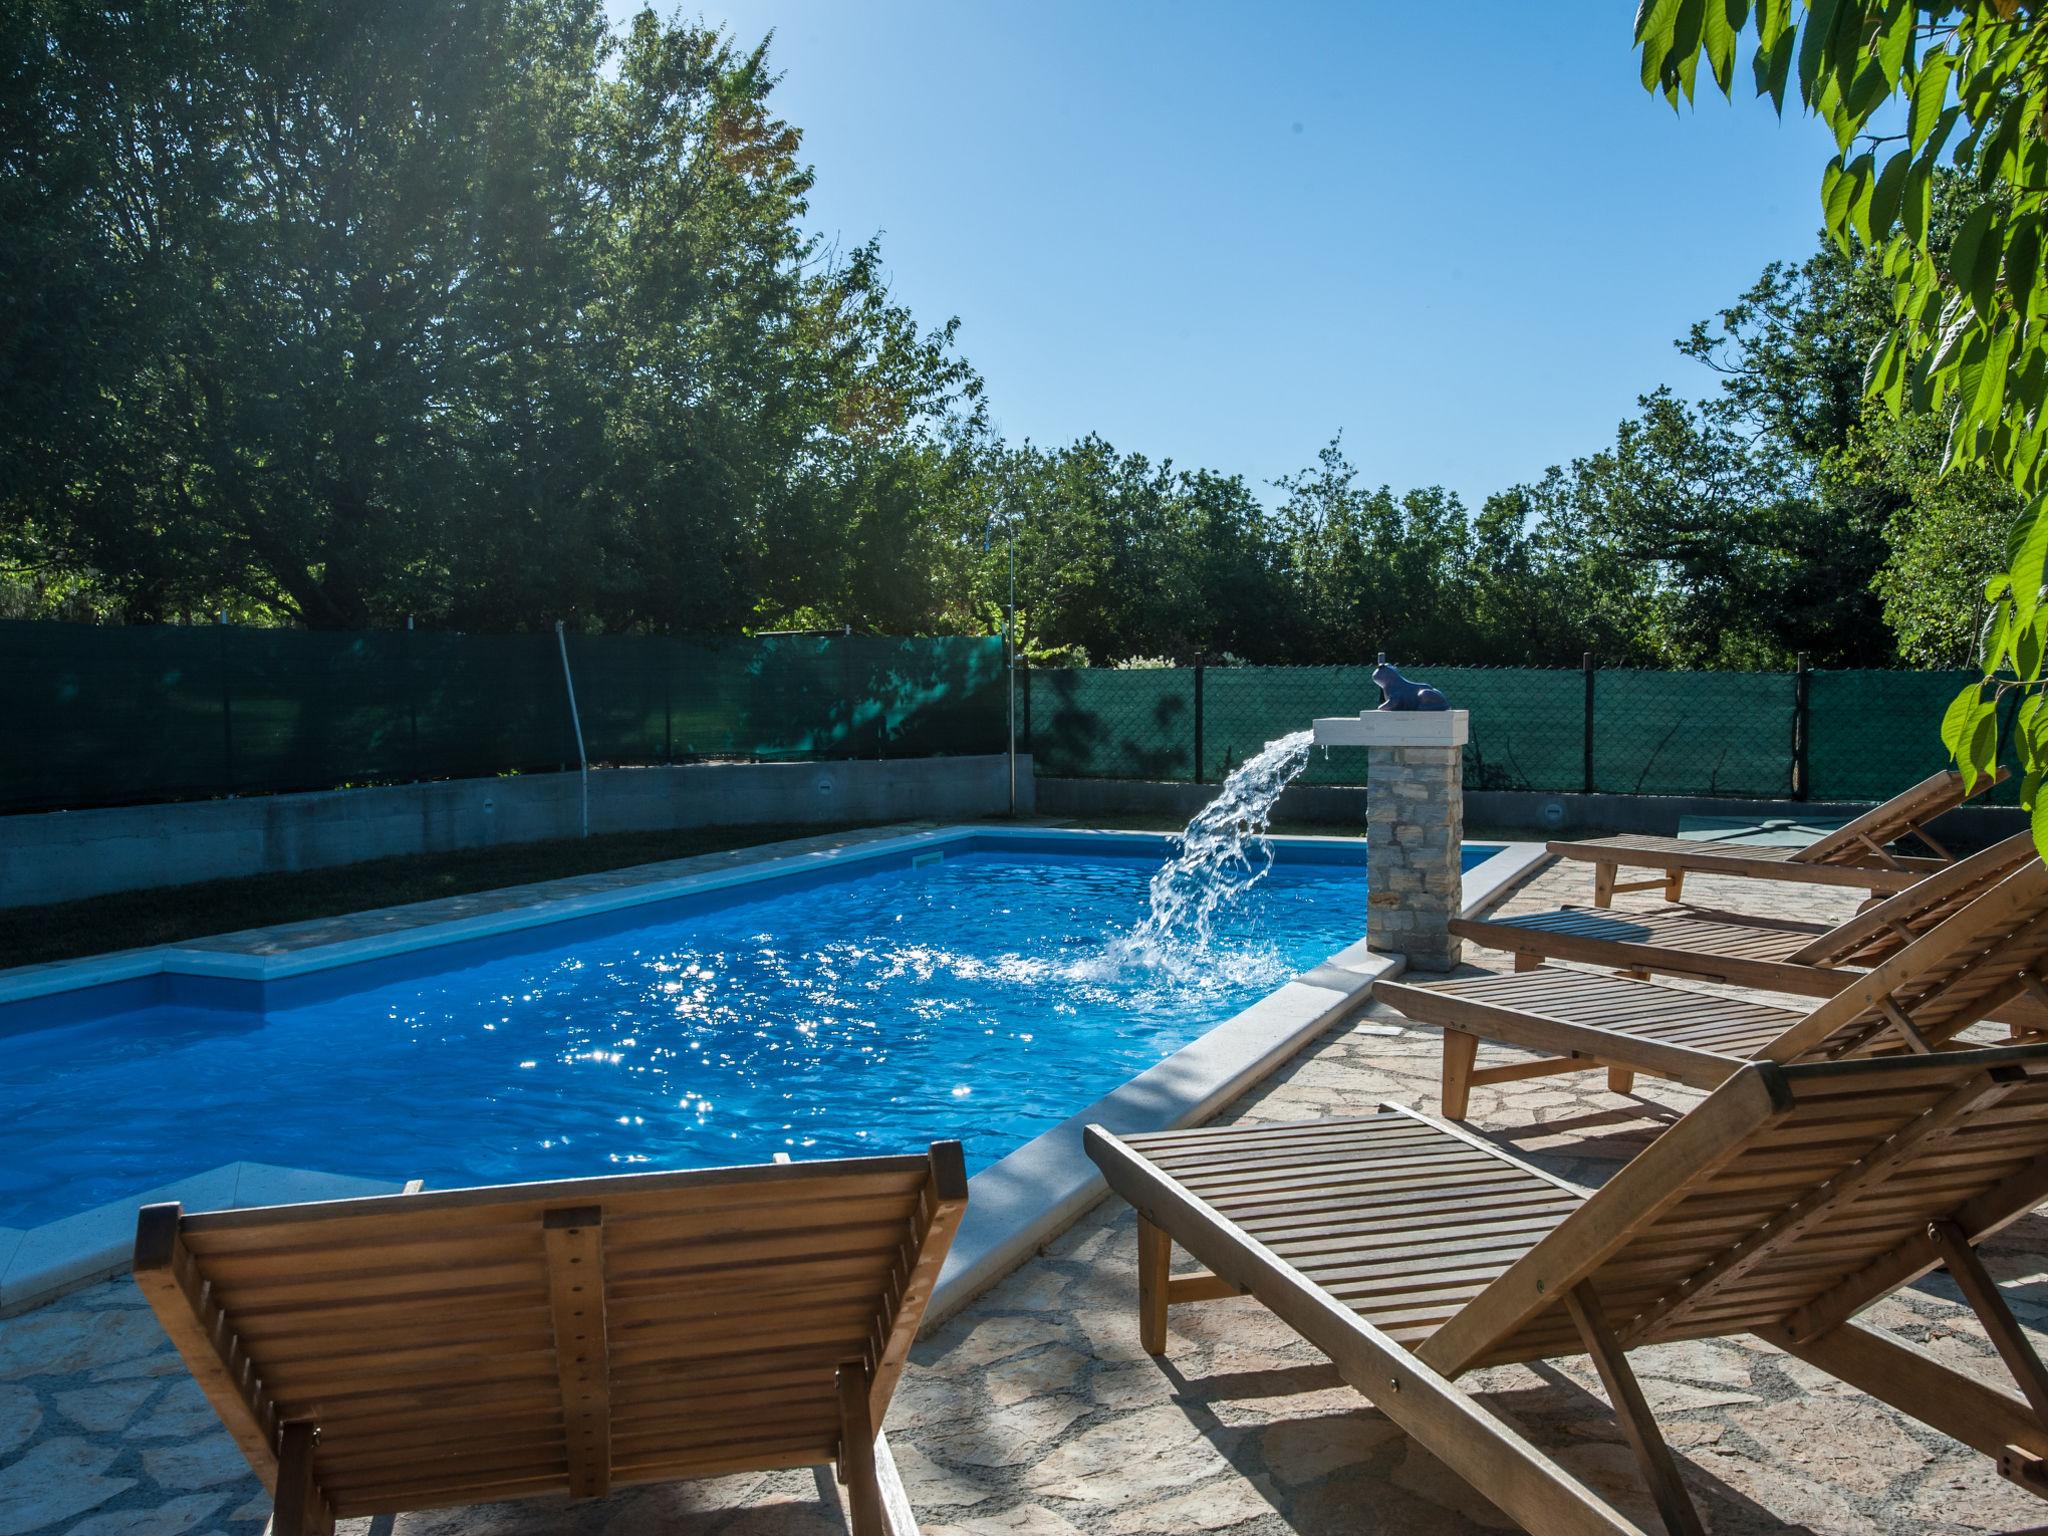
[
  {"x": 424, "y": 1351},
  {"x": 1974, "y": 965},
  {"x": 1857, "y": 854},
  {"x": 1771, "y": 954},
  {"x": 1410, "y": 1252}
]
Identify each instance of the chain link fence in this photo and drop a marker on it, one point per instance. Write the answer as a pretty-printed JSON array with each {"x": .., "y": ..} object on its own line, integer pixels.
[
  {"x": 104, "y": 716},
  {"x": 1804, "y": 735}
]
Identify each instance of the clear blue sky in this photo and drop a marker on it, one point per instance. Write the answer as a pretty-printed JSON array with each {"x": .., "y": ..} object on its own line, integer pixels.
[{"x": 1463, "y": 236}]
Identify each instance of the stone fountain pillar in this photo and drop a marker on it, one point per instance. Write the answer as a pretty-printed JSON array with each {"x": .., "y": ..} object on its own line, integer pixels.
[{"x": 1415, "y": 827}]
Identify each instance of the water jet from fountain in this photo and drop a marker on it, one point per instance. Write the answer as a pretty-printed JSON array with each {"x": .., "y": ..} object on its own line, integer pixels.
[{"x": 1224, "y": 850}]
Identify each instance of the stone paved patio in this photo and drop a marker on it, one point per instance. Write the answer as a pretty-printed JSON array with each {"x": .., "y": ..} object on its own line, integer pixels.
[{"x": 1035, "y": 1413}]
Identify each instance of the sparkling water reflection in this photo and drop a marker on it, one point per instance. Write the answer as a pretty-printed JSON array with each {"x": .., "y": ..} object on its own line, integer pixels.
[{"x": 986, "y": 997}]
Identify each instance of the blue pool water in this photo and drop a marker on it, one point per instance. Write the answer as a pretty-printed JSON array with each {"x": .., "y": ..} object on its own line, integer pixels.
[{"x": 984, "y": 996}]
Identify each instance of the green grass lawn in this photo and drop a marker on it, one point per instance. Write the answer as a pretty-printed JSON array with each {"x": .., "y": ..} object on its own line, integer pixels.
[{"x": 31, "y": 935}]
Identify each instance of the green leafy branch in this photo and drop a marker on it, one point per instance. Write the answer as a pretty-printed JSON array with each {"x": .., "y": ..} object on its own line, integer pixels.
[{"x": 1969, "y": 84}]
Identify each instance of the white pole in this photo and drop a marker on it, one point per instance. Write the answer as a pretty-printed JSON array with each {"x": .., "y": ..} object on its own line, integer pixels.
[{"x": 582, "y": 757}]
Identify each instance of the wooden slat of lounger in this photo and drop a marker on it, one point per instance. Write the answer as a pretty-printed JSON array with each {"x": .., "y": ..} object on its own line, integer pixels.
[
  {"x": 438, "y": 1411},
  {"x": 1892, "y": 819},
  {"x": 1352, "y": 1183},
  {"x": 1958, "y": 973},
  {"x": 484, "y": 1235},
  {"x": 371, "y": 1434},
  {"x": 1311, "y": 1222},
  {"x": 1675, "y": 927},
  {"x": 420, "y": 1333},
  {"x": 1690, "y": 1035},
  {"x": 455, "y": 1490},
  {"x": 505, "y": 1332},
  {"x": 435, "y": 1318},
  {"x": 482, "y": 1463},
  {"x": 1677, "y": 941},
  {"x": 1613, "y": 1002},
  {"x": 632, "y": 1194},
  {"x": 1819, "y": 1212},
  {"x": 1365, "y": 1215},
  {"x": 1283, "y": 1142},
  {"x": 452, "y": 1492},
  {"x": 1254, "y": 1175},
  {"x": 658, "y": 1282},
  {"x": 650, "y": 1395},
  {"x": 1879, "y": 931},
  {"x": 1520, "y": 1480},
  {"x": 1377, "y": 1241},
  {"x": 1662, "y": 846},
  {"x": 1856, "y": 844},
  {"x": 261, "y": 1286},
  {"x": 1750, "y": 863},
  {"x": 1403, "y": 1286},
  {"x": 1947, "y": 979}
]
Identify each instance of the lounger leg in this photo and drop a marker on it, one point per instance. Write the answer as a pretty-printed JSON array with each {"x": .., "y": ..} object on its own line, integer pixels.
[
  {"x": 1988, "y": 1302},
  {"x": 1155, "y": 1259},
  {"x": 1623, "y": 1079},
  {"x": 1524, "y": 961},
  {"x": 298, "y": 1509},
  {"x": 1603, "y": 884},
  {"x": 1630, "y": 1407},
  {"x": 1460, "y": 1051},
  {"x": 857, "y": 1455}
]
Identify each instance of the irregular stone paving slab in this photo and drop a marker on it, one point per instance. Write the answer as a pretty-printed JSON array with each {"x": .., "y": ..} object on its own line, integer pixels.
[{"x": 1035, "y": 1413}]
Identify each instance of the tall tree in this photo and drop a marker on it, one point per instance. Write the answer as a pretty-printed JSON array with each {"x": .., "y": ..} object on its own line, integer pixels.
[{"x": 467, "y": 307}]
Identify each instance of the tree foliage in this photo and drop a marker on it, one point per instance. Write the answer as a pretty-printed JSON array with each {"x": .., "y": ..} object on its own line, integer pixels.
[
  {"x": 489, "y": 312},
  {"x": 466, "y": 307},
  {"x": 1908, "y": 87}
]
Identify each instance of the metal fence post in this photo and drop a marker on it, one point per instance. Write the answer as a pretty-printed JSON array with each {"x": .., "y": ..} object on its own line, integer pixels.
[
  {"x": 1586, "y": 666},
  {"x": 575, "y": 721},
  {"x": 1024, "y": 690},
  {"x": 1802, "y": 768},
  {"x": 409, "y": 664},
  {"x": 1201, "y": 666},
  {"x": 227, "y": 713}
]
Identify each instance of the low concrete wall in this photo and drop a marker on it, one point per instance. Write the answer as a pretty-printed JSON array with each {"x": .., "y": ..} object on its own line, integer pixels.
[
  {"x": 66, "y": 855},
  {"x": 1496, "y": 810}
]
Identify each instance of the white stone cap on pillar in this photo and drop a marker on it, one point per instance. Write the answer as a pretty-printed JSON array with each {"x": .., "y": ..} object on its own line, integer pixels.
[{"x": 1395, "y": 728}]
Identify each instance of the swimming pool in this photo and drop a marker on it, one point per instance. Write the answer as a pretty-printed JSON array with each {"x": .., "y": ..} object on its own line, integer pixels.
[{"x": 984, "y": 988}]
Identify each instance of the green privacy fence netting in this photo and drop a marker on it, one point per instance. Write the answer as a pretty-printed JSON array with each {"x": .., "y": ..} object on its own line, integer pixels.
[
  {"x": 103, "y": 716},
  {"x": 1762, "y": 735}
]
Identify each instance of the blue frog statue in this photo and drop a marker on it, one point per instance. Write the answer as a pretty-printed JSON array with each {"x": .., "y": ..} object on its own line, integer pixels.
[{"x": 1397, "y": 692}]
